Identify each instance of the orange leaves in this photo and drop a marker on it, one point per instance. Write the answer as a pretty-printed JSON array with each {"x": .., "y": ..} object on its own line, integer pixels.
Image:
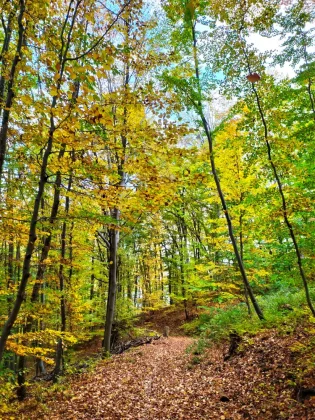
[
  {"x": 100, "y": 115},
  {"x": 253, "y": 77}
]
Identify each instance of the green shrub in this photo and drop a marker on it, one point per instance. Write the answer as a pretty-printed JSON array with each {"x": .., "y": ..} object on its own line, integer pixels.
[{"x": 286, "y": 307}]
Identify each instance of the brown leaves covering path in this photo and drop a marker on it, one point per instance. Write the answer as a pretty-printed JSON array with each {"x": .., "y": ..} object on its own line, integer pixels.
[
  {"x": 150, "y": 382},
  {"x": 161, "y": 381}
]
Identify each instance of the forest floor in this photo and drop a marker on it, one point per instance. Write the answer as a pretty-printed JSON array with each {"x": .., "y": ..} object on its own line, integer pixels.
[{"x": 265, "y": 379}]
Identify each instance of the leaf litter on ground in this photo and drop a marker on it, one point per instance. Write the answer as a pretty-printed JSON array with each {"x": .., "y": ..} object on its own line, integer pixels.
[{"x": 164, "y": 381}]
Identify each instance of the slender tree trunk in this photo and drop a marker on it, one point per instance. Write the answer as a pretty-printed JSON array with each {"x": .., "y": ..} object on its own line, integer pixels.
[
  {"x": 162, "y": 274},
  {"x": 70, "y": 322},
  {"x": 30, "y": 246},
  {"x": 5, "y": 48},
  {"x": 170, "y": 275},
  {"x": 47, "y": 241},
  {"x": 38, "y": 283},
  {"x": 10, "y": 94},
  {"x": 309, "y": 83},
  {"x": 242, "y": 256},
  {"x": 182, "y": 249},
  {"x": 278, "y": 180},
  {"x": 284, "y": 204},
  {"x": 135, "y": 298},
  {"x": 59, "y": 352},
  {"x": 92, "y": 281},
  {"x": 114, "y": 232},
  {"x": 10, "y": 274},
  {"x": 40, "y": 191},
  {"x": 208, "y": 134},
  {"x": 112, "y": 285}
]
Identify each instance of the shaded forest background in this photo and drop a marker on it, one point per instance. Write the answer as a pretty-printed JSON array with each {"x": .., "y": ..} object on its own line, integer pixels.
[{"x": 151, "y": 155}]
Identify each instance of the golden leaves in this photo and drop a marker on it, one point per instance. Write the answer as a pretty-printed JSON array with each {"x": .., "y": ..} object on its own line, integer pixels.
[
  {"x": 26, "y": 99},
  {"x": 53, "y": 91}
]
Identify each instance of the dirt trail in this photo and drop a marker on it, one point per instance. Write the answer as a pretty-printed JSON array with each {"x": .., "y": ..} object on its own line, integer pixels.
[
  {"x": 149, "y": 382},
  {"x": 162, "y": 381}
]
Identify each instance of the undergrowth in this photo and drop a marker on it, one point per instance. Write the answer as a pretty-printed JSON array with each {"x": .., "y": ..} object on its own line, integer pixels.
[
  {"x": 7, "y": 388},
  {"x": 283, "y": 310}
]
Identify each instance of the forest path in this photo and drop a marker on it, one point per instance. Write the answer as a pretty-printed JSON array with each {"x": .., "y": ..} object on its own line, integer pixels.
[
  {"x": 161, "y": 381},
  {"x": 154, "y": 381}
]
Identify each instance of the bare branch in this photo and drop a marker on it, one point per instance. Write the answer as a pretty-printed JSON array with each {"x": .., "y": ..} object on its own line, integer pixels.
[{"x": 102, "y": 37}]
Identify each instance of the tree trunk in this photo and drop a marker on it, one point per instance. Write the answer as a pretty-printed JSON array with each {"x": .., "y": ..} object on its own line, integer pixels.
[
  {"x": 284, "y": 205},
  {"x": 38, "y": 283},
  {"x": 59, "y": 352},
  {"x": 29, "y": 247},
  {"x": 32, "y": 237},
  {"x": 10, "y": 93},
  {"x": 112, "y": 285},
  {"x": 242, "y": 256},
  {"x": 21, "y": 390},
  {"x": 5, "y": 48},
  {"x": 208, "y": 134}
]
